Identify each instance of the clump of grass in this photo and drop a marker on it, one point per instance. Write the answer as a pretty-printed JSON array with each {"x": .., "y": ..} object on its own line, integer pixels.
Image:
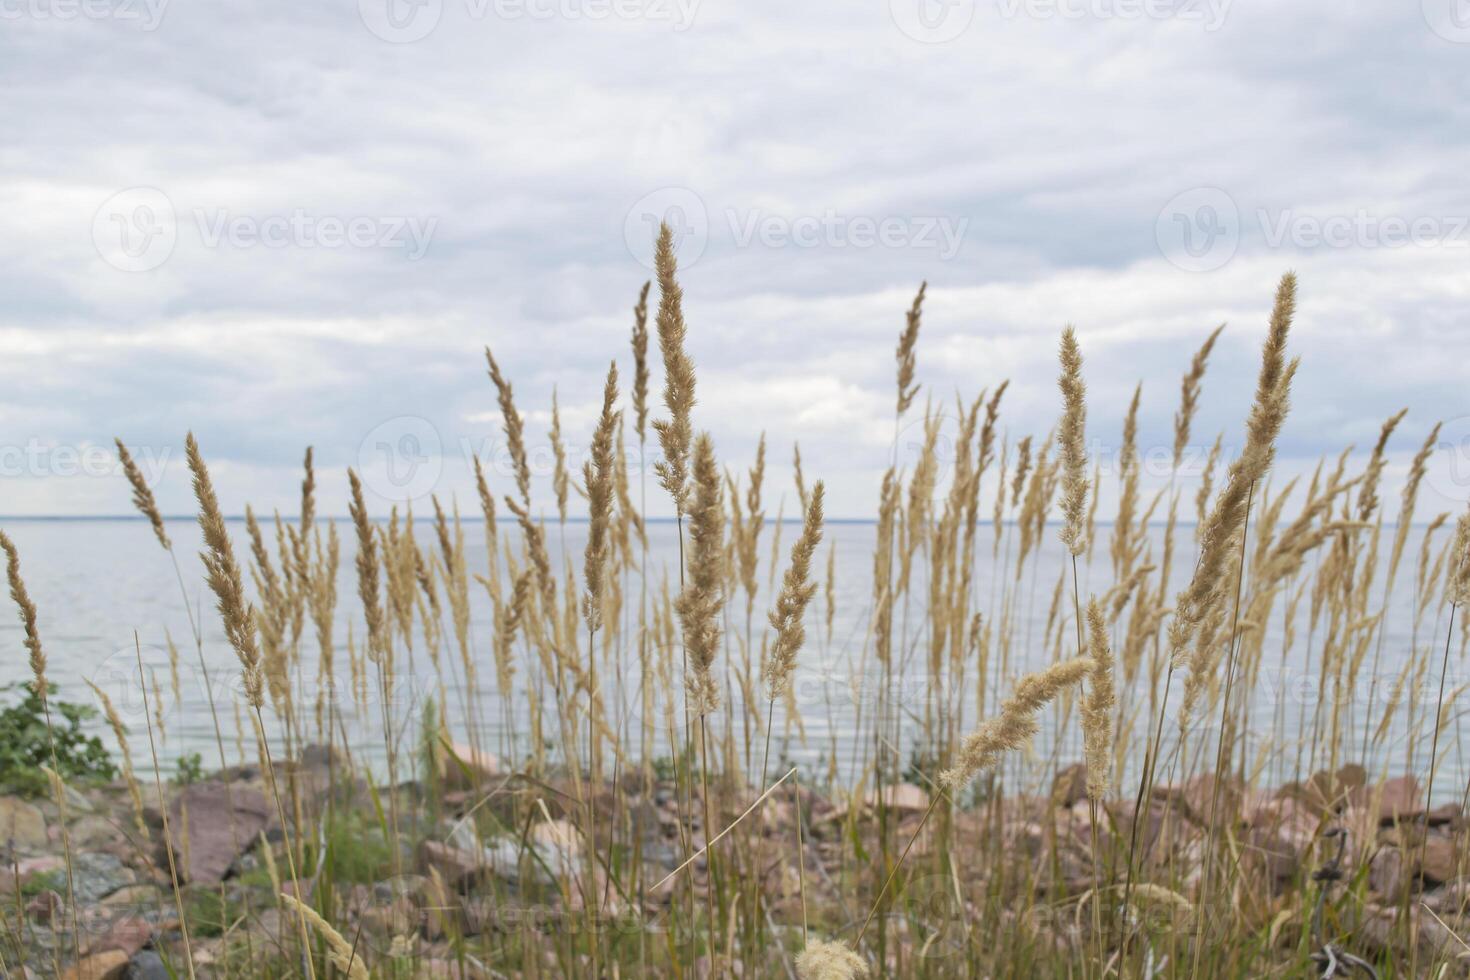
[{"x": 615, "y": 659}]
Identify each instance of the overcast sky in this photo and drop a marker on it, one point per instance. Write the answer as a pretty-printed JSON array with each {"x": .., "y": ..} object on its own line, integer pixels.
[{"x": 290, "y": 224}]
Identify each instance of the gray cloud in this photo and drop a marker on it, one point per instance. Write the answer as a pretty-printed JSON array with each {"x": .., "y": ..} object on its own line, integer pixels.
[{"x": 353, "y": 220}]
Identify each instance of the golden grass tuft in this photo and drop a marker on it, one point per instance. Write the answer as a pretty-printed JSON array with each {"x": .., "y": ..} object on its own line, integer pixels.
[{"x": 830, "y": 961}]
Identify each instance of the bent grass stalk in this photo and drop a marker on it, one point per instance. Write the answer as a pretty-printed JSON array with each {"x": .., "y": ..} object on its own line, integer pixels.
[{"x": 168, "y": 844}]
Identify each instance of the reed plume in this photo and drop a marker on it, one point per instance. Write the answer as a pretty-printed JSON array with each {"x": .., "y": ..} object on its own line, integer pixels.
[
  {"x": 1377, "y": 460},
  {"x": 28, "y": 616},
  {"x": 339, "y": 950},
  {"x": 223, "y": 573},
  {"x": 908, "y": 342},
  {"x": 747, "y": 543},
  {"x": 1122, "y": 550},
  {"x": 1457, "y": 582},
  {"x": 514, "y": 428},
  {"x": 1409, "y": 498},
  {"x": 368, "y": 588},
  {"x": 699, "y": 604},
  {"x": 492, "y": 549},
  {"x": 800, "y": 478},
  {"x": 1071, "y": 441},
  {"x": 1189, "y": 394},
  {"x": 142, "y": 494},
  {"x": 629, "y": 515},
  {"x": 308, "y": 519},
  {"x": 1223, "y": 524},
  {"x": 640, "y": 364},
  {"x": 797, "y": 589},
  {"x": 675, "y": 432},
  {"x": 1016, "y": 722},
  {"x": 508, "y": 619},
  {"x": 599, "y": 478},
  {"x": 560, "y": 480},
  {"x": 1023, "y": 469},
  {"x": 987, "y": 433},
  {"x": 1097, "y": 706}
]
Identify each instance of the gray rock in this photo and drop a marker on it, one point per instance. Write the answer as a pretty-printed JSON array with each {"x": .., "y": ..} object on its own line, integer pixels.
[
  {"x": 96, "y": 874},
  {"x": 146, "y": 966},
  {"x": 459, "y": 859},
  {"x": 78, "y": 803},
  {"x": 22, "y": 823}
]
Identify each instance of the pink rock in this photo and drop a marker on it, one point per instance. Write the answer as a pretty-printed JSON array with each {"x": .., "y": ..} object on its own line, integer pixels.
[
  {"x": 1070, "y": 785},
  {"x": 479, "y": 765},
  {"x": 109, "y": 965},
  {"x": 222, "y": 822},
  {"x": 129, "y": 934},
  {"x": 902, "y": 798},
  {"x": 1398, "y": 799},
  {"x": 45, "y": 906}
]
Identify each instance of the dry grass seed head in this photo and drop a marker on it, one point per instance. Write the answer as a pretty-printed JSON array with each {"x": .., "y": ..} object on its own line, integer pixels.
[
  {"x": 908, "y": 342},
  {"x": 703, "y": 596},
  {"x": 142, "y": 495},
  {"x": 223, "y": 574},
  {"x": 1071, "y": 441},
  {"x": 797, "y": 589},
  {"x": 829, "y": 961},
  {"x": 676, "y": 432}
]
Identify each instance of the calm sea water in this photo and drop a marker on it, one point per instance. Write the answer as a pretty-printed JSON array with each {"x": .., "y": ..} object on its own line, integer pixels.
[{"x": 99, "y": 583}]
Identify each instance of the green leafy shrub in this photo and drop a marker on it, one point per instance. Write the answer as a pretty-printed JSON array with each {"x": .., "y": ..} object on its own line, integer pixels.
[
  {"x": 25, "y": 746},
  {"x": 191, "y": 769}
]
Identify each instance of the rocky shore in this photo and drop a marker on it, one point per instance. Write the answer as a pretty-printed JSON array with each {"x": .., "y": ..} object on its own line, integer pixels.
[{"x": 494, "y": 851}]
